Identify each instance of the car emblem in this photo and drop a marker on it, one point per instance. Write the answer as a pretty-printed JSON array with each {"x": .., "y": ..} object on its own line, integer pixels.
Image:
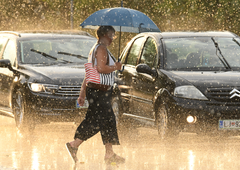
[{"x": 235, "y": 93}]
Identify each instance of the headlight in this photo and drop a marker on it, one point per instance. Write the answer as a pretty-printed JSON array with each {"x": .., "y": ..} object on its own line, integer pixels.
[
  {"x": 191, "y": 119},
  {"x": 46, "y": 88},
  {"x": 189, "y": 92},
  {"x": 37, "y": 87}
]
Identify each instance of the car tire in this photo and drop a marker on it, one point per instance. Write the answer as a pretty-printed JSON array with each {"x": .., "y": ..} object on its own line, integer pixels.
[
  {"x": 117, "y": 109},
  {"x": 24, "y": 122},
  {"x": 163, "y": 122},
  {"x": 125, "y": 127}
]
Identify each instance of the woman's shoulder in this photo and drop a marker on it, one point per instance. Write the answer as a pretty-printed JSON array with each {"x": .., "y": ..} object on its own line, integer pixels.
[{"x": 101, "y": 48}]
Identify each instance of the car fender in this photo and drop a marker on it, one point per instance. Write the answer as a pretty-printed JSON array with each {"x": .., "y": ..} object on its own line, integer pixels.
[
  {"x": 116, "y": 91},
  {"x": 19, "y": 82},
  {"x": 162, "y": 95}
]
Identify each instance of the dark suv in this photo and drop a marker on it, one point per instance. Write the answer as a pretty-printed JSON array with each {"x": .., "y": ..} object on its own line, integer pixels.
[
  {"x": 181, "y": 81},
  {"x": 41, "y": 75}
]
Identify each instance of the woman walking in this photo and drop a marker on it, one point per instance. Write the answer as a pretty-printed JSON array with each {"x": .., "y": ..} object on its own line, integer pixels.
[{"x": 99, "y": 116}]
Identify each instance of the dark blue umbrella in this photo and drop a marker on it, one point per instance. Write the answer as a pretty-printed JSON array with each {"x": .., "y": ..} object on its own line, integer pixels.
[{"x": 122, "y": 19}]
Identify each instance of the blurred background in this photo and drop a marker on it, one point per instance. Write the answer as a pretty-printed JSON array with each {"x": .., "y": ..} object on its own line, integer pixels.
[{"x": 168, "y": 15}]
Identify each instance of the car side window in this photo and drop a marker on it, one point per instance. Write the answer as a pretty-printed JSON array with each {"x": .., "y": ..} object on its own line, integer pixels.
[
  {"x": 149, "y": 54},
  {"x": 3, "y": 41},
  {"x": 134, "y": 51},
  {"x": 10, "y": 52}
]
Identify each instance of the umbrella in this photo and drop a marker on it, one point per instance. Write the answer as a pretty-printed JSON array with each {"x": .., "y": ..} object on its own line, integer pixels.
[{"x": 122, "y": 19}]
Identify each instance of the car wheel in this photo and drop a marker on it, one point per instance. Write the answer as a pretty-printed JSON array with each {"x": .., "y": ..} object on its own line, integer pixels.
[
  {"x": 22, "y": 112},
  {"x": 162, "y": 121},
  {"x": 116, "y": 109},
  {"x": 165, "y": 126}
]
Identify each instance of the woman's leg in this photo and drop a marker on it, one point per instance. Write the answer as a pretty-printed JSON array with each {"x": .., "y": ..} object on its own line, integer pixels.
[
  {"x": 76, "y": 143},
  {"x": 72, "y": 148},
  {"x": 111, "y": 157},
  {"x": 109, "y": 151},
  {"x": 88, "y": 127},
  {"x": 85, "y": 130},
  {"x": 108, "y": 128}
]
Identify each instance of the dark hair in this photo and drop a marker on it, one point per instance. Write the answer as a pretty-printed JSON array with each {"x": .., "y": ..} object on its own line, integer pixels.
[{"x": 102, "y": 30}]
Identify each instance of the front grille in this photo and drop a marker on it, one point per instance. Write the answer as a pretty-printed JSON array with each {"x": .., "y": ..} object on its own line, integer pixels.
[
  {"x": 68, "y": 91},
  {"x": 223, "y": 94}
]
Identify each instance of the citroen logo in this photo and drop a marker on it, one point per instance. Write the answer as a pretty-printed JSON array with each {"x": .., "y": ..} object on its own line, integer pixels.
[{"x": 235, "y": 93}]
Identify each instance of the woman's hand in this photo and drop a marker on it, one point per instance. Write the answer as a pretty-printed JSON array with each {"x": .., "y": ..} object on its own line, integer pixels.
[
  {"x": 118, "y": 65},
  {"x": 81, "y": 100},
  {"x": 82, "y": 94}
]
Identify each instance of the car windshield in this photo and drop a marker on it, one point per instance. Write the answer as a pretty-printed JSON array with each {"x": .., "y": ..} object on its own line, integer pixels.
[
  {"x": 202, "y": 53},
  {"x": 42, "y": 51}
]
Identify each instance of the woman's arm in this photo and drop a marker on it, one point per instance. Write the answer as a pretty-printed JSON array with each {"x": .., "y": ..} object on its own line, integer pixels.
[
  {"x": 101, "y": 56},
  {"x": 82, "y": 94}
]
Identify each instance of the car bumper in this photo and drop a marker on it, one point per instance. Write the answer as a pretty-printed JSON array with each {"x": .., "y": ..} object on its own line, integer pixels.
[
  {"x": 207, "y": 114},
  {"x": 62, "y": 107}
]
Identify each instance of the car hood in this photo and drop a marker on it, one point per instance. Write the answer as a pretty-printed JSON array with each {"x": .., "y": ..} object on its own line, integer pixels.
[
  {"x": 210, "y": 79},
  {"x": 56, "y": 74}
]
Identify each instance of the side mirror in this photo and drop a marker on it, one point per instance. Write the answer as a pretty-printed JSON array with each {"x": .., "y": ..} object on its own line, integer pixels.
[
  {"x": 144, "y": 68},
  {"x": 5, "y": 63}
]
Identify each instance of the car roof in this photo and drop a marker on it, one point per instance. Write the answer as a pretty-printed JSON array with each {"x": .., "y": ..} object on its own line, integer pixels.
[
  {"x": 167, "y": 35},
  {"x": 45, "y": 34}
]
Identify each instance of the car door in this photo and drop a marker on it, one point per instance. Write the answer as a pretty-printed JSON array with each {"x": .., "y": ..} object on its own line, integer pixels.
[
  {"x": 143, "y": 85},
  {"x": 6, "y": 75},
  {"x": 129, "y": 59}
]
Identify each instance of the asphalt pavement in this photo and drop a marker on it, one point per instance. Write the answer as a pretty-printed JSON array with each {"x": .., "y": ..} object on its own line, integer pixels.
[{"x": 44, "y": 149}]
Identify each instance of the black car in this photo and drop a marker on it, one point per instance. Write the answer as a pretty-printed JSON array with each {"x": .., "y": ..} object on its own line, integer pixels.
[
  {"x": 181, "y": 81},
  {"x": 41, "y": 75}
]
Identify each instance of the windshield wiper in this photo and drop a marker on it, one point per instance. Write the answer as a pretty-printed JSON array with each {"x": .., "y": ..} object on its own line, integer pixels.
[
  {"x": 224, "y": 61},
  {"x": 49, "y": 56},
  {"x": 236, "y": 41},
  {"x": 74, "y": 55}
]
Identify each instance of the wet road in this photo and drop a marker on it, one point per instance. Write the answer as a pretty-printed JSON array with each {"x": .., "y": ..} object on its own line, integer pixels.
[{"x": 45, "y": 149}]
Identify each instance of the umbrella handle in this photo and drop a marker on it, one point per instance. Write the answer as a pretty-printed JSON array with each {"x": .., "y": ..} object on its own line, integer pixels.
[
  {"x": 121, "y": 70},
  {"x": 122, "y": 67}
]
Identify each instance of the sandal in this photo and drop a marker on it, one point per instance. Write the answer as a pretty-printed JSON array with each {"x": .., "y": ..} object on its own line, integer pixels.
[
  {"x": 72, "y": 152},
  {"x": 115, "y": 159}
]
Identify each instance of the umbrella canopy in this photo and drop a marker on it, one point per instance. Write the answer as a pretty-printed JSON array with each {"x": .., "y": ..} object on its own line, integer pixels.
[{"x": 122, "y": 19}]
